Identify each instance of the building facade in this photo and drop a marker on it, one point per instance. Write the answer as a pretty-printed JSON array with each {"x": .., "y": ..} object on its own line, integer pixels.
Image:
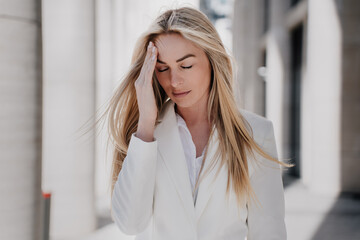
[{"x": 298, "y": 66}]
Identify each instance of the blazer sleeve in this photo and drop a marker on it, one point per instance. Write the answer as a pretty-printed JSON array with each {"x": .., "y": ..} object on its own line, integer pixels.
[
  {"x": 267, "y": 221},
  {"x": 132, "y": 199}
]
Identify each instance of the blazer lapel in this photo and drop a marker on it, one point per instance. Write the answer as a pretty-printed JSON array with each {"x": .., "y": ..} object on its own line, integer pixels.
[{"x": 171, "y": 150}]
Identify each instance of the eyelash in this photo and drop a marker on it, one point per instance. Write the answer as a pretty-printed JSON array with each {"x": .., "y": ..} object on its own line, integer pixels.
[{"x": 182, "y": 67}]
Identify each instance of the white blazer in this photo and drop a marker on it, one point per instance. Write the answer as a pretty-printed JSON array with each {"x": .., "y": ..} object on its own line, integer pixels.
[{"x": 152, "y": 197}]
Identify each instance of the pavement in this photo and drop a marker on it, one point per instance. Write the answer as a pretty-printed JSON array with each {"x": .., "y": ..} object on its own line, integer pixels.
[{"x": 309, "y": 216}]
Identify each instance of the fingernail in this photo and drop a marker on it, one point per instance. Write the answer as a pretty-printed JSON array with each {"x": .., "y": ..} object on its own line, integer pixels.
[
  {"x": 153, "y": 50},
  {"x": 153, "y": 57}
]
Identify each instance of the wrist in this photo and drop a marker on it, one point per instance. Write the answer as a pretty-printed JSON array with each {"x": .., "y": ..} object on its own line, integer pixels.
[{"x": 145, "y": 132}]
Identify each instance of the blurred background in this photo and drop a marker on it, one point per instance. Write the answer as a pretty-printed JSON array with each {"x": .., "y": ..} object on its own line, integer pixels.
[{"x": 298, "y": 65}]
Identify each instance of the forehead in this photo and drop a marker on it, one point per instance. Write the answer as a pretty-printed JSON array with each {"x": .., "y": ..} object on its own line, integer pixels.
[{"x": 172, "y": 46}]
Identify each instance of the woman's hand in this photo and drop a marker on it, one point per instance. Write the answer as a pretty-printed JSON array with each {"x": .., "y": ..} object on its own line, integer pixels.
[{"x": 145, "y": 96}]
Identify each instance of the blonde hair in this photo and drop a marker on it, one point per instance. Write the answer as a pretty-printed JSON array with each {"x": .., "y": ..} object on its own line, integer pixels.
[{"x": 235, "y": 141}]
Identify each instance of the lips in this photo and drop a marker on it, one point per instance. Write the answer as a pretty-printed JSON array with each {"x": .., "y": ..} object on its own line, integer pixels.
[{"x": 181, "y": 94}]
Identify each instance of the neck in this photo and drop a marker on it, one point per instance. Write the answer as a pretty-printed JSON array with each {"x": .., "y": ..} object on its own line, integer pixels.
[{"x": 194, "y": 115}]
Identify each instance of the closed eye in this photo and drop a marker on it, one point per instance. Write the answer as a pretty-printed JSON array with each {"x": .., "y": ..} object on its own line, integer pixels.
[
  {"x": 184, "y": 67},
  {"x": 187, "y": 67},
  {"x": 163, "y": 70}
]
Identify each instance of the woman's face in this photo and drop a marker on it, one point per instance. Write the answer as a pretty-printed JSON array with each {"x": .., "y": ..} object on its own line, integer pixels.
[{"x": 183, "y": 70}]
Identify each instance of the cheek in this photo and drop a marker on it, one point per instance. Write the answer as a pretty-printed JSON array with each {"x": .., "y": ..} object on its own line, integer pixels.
[{"x": 204, "y": 78}]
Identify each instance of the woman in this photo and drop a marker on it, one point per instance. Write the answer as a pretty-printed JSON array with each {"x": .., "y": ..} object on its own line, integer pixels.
[{"x": 188, "y": 164}]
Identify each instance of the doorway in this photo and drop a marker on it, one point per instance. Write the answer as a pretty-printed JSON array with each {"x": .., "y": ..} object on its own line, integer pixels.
[{"x": 296, "y": 38}]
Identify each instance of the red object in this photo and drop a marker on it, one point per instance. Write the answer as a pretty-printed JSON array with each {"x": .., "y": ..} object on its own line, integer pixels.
[{"x": 46, "y": 195}]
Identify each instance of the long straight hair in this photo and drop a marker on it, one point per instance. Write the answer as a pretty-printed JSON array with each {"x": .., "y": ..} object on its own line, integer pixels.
[{"x": 235, "y": 135}]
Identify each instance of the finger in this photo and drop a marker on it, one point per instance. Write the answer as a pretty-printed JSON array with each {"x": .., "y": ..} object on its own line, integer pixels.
[
  {"x": 152, "y": 57},
  {"x": 149, "y": 61},
  {"x": 144, "y": 68},
  {"x": 146, "y": 60},
  {"x": 151, "y": 64},
  {"x": 148, "y": 51}
]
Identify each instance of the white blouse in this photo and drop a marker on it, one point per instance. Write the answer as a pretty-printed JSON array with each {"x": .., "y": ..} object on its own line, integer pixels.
[{"x": 193, "y": 162}]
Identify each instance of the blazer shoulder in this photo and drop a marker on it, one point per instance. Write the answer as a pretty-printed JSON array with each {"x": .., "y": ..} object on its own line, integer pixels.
[{"x": 259, "y": 125}]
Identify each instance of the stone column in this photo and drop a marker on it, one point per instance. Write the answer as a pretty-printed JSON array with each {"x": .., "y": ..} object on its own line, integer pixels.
[
  {"x": 277, "y": 70},
  {"x": 20, "y": 120},
  {"x": 69, "y": 101},
  {"x": 104, "y": 87},
  {"x": 321, "y": 166},
  {"x": 350, "y": 97},
  {"x": 246, "y": 35}
]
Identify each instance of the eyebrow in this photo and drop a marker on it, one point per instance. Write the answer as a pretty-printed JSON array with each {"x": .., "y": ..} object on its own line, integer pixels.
[{"x": 180, "y": 59}]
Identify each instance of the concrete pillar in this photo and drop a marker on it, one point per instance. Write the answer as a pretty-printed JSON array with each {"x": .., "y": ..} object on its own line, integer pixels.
[
  {"x": 321, "y": 166},
  {"x": 20, "y": 124},
  {"x": 69, "y": 101},
  {"x": 104, "y": 87},
  {"x": 277, "y": 70},
  {"x": 246, "y": 34},
  {"x": 350, "y": 96}
]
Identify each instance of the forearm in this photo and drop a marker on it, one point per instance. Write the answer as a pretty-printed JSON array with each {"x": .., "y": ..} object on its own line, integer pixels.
[{"x": 132, "y": 199}]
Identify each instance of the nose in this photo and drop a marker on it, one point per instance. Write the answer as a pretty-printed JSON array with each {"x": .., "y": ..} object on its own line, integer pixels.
[{"x": 175, "y": 79}]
